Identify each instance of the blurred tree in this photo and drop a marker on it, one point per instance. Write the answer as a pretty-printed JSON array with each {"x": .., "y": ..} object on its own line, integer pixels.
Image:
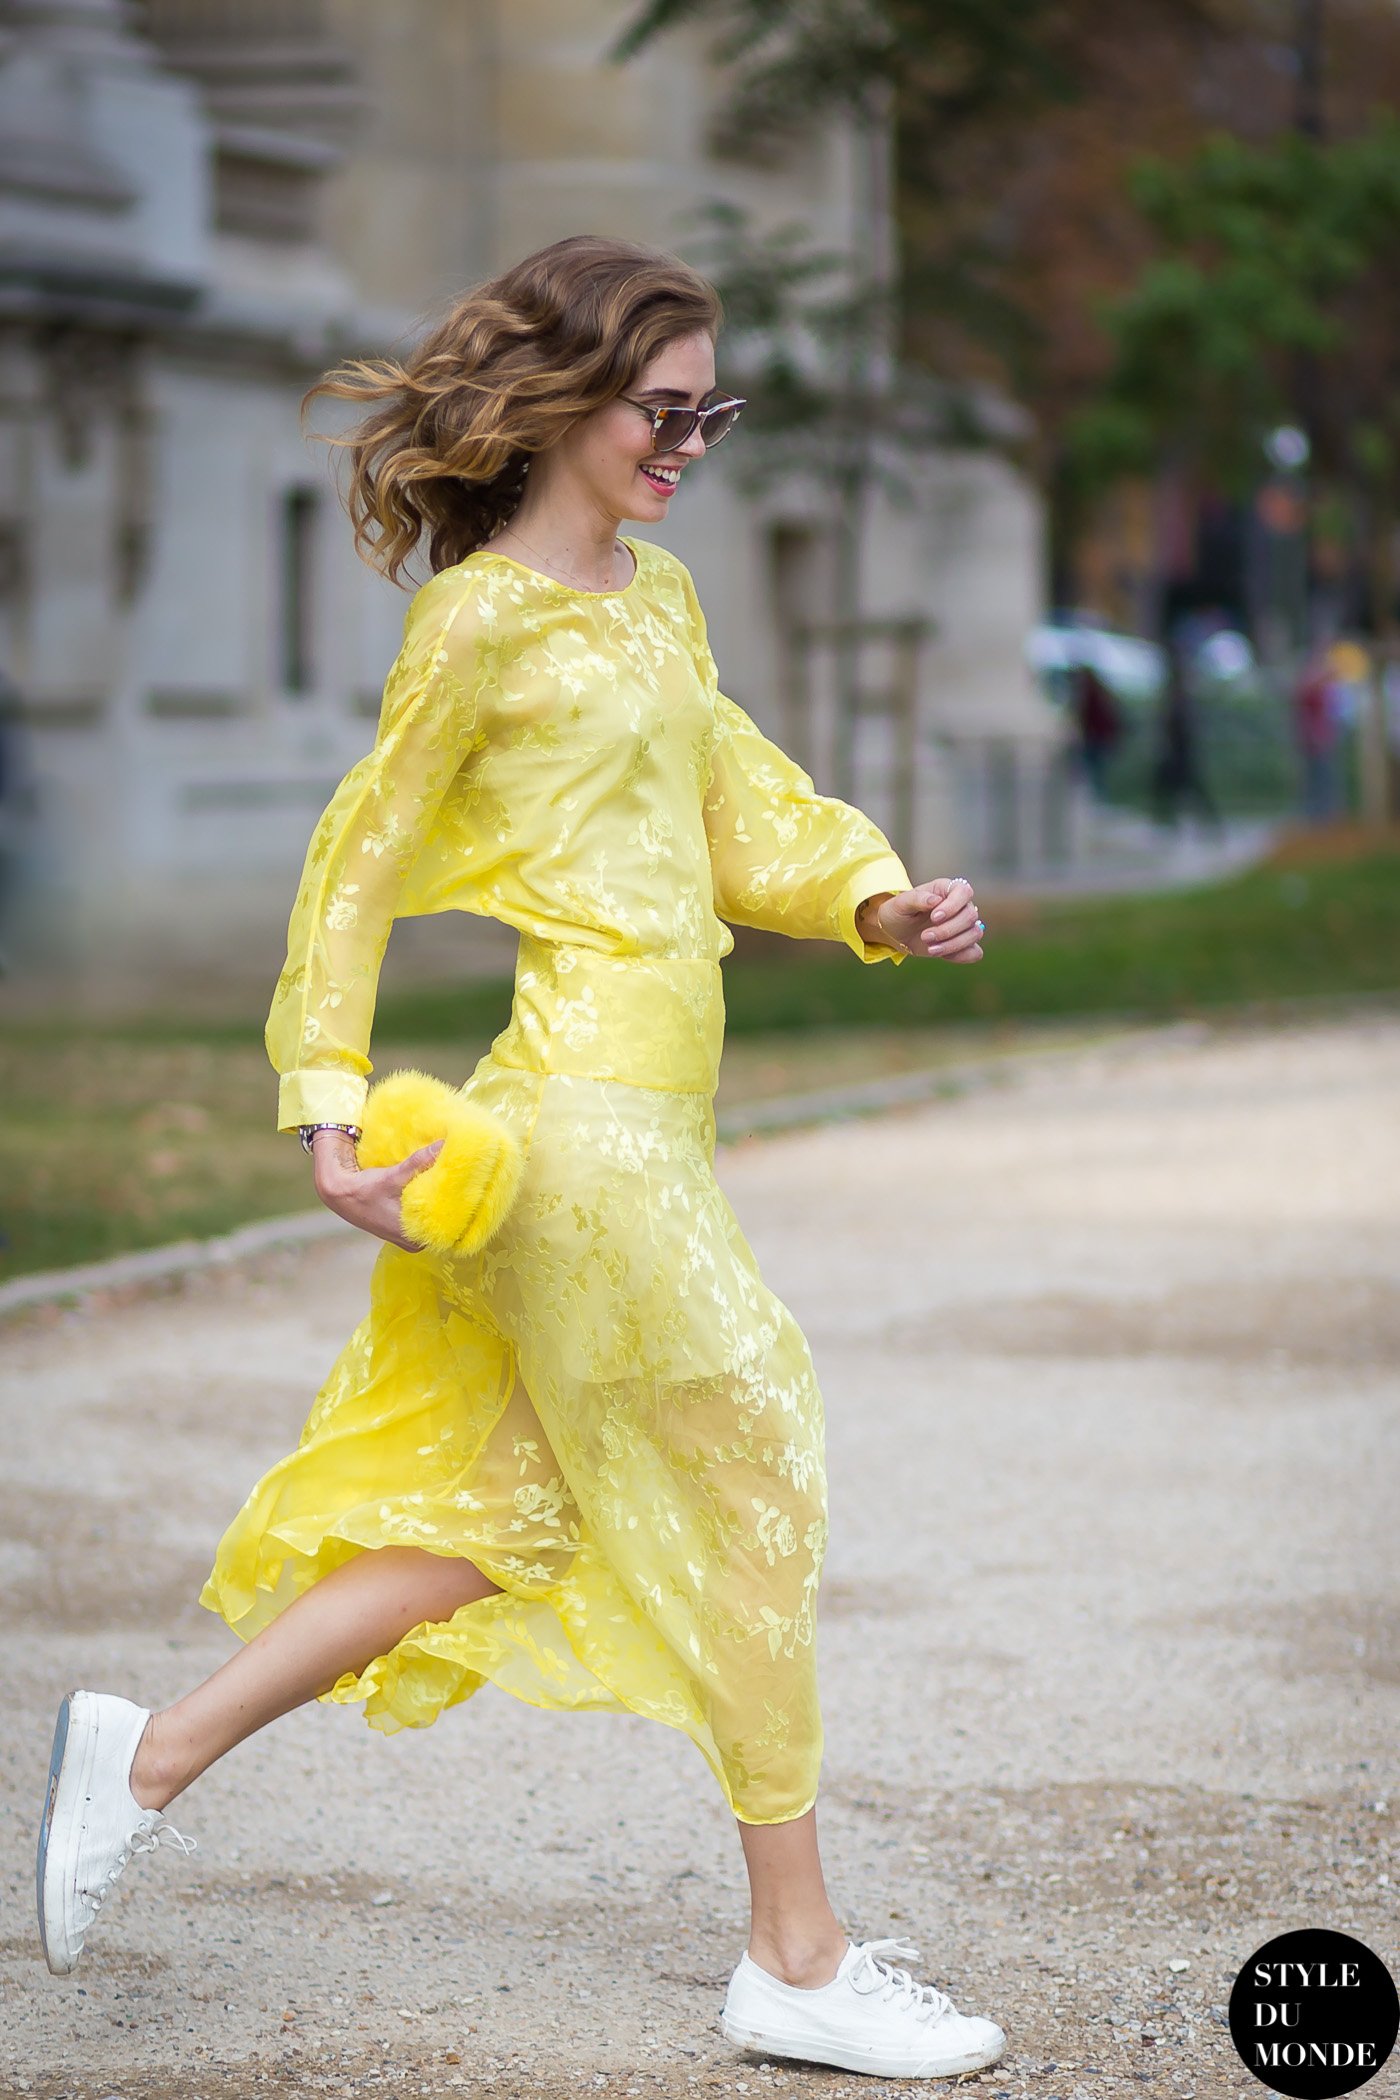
[
  {"x": 969, "y": 115},
  {"x": 1016, "y": 124},
  {"x": 1260, "y": 253},
  {"x": 1031, "y": 225},
  {"x": 1265, "y": 256},
  {"x": 817, "y": 336},
  {"x": 953, "y": 59},
  {"x": 807, "y": 341}
]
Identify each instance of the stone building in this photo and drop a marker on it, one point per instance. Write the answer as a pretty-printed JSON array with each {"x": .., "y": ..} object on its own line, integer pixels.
[{"x": 203, "y": 203}]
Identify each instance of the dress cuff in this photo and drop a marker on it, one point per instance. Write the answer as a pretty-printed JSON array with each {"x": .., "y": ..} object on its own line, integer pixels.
[
  {"x": 872, "y": 880},
  {"x": 320, "y": 1097}
]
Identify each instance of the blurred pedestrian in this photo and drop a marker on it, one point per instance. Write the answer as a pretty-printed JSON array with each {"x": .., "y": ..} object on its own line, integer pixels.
[
  {"x": 1177, "y": 775},
  {"x": 1100, "y": 725},
  {"x": 585, "y": 1461},
  {"x": 1318, "y": 723}
]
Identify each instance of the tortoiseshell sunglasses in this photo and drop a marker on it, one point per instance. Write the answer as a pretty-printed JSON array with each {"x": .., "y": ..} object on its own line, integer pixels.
[{"x": 670, "y": 427}]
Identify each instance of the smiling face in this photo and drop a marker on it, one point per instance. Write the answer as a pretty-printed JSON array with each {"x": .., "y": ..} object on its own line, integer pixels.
[{"x": 610, "y": 456}]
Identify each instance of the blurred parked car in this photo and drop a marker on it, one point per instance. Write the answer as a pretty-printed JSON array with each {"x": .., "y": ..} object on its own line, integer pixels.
[
  {"x": 1247, "y": 742},
  {"x": 1133, "y": 669}
]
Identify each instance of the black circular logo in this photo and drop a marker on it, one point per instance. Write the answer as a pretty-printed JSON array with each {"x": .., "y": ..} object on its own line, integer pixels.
[{"x": 1314, "y": 2014}]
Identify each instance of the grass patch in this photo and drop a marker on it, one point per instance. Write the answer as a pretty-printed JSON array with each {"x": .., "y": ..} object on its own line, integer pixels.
[
  {"x": 118, "y": 1140},
  {"x": 1280, "y": 933},
  {"x": 131, "y": 1134}
]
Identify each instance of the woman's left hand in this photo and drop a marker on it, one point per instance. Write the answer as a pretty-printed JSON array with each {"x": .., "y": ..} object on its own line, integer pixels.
[{"x": 938, "y": 918}]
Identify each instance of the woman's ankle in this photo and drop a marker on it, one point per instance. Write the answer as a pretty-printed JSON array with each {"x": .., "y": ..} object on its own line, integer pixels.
[
  {"x": 156, "y": 1775},
  {"x": 804, "y": 1959}
]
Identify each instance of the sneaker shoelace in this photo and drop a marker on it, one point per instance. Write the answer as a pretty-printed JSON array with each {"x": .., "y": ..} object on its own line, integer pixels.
[
  {"x": 140, "y": 1840},
  {"x": 869, "y": 1973}
]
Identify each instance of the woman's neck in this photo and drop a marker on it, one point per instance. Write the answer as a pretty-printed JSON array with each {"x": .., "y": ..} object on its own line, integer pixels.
[{"x": 583, "y": 552}]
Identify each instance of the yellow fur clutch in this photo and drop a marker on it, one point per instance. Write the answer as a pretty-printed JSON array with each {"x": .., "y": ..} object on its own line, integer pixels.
[{"x": 456, "y": 1204}]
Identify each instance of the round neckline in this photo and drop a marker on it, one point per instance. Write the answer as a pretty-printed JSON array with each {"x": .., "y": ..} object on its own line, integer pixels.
[{"x": 573, "y": 590}]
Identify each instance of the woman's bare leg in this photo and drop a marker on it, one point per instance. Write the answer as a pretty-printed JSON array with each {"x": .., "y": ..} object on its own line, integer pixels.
[
  {"x": 358, "y": 1611},
  {"x": 794, "y": 1933}
]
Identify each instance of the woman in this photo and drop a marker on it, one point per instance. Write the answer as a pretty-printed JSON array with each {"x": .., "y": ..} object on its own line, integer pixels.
[{"x": 588, "y": 1458}]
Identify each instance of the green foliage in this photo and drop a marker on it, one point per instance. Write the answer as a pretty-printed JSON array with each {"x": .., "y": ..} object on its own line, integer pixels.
[
  {"x": 1262, "y": 253},
  {"x": 950, "y": 61},
  {"x": 1374, "y": 450},
  {"x": 787, "y": 63}
]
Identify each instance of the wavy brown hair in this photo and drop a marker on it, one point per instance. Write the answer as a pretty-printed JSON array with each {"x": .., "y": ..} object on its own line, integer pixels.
[{"x": 451, "y": 425}]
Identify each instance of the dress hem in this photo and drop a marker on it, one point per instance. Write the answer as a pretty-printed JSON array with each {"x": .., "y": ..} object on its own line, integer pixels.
[{"x": 358, "y": 1688}]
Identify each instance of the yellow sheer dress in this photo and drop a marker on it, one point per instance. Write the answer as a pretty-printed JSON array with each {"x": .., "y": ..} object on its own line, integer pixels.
[{"x": 605, "y": 1409}]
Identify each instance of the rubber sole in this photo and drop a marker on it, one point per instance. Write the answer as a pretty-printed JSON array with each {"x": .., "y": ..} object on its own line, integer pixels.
[
  {"x": 41, "y": 1864},
  {"x": 772, "y": 2044}
]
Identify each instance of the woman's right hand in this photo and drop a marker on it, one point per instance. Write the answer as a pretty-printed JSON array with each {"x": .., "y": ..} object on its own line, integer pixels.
[{"x": 369, "y": 1197}]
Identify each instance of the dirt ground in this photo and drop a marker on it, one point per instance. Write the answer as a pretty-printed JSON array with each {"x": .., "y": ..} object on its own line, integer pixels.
[{"x": 1110, "y": 1640}]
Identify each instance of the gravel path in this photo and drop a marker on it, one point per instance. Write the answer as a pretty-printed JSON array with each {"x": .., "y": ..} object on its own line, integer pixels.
[{"x": 1110, "y": 1644}]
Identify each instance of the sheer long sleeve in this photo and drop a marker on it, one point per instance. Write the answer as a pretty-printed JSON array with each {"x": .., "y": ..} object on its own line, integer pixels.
[
  {"x": 359, "y": 858},
  {"x": 783, "y": 857}
]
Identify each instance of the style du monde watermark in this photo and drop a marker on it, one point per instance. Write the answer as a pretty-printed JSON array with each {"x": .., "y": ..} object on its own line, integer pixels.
[{"x": 1314, "y": 2014}]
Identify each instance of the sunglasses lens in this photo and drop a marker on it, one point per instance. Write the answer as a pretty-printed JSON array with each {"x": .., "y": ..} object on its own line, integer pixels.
[
  {"x": 673, "y": 427},
  {"x": 718, "y": 425}
]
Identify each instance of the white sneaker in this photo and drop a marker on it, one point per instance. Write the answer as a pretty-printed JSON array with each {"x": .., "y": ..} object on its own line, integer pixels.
[
  {"x": 870, "y": 2017},
  {"x": 92, "y": 1822}
]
